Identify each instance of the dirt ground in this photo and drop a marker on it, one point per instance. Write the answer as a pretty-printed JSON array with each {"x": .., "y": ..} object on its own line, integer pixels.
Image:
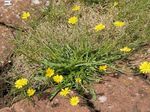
[{"x": 125, "y": 94}]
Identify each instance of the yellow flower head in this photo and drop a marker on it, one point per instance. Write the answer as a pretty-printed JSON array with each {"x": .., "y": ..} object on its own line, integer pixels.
[
  {"x": 103, "y": 68},
  {"x": 99, "y": 27},
  {"x": 64, "y": 92},
  {"x": 73, "y": 20},
  {"x": 49, "y": 72},
  {"x": 78, "y": 80},
  {"x": 58, "y": 78},
  {"x": 31, "y": 92},
  {"x": 76, "y": 8},
  {"x": 74, "y": 100},
  {"x": 25, "y": 15},
  {"x": 145, "y": 67},
  {"x": 119, "y": 23},
  {"x": 125, "y": 49},
  {"x": 21, "y": 83}
]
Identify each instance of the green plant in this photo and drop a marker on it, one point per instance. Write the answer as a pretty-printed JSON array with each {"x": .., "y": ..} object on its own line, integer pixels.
[{"x": 74, "y": 51}]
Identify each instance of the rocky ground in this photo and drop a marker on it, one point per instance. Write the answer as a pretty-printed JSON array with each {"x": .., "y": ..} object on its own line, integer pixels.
[{"x": 124, "y": 93}]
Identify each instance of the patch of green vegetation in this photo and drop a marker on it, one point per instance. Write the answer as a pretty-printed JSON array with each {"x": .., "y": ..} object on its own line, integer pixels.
[
  {"x": 136, "y": 13},
  {"x": 76, "y": 50}
]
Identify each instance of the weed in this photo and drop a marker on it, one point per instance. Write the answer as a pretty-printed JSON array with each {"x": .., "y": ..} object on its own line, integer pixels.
[{"x": 74, "y": 50}]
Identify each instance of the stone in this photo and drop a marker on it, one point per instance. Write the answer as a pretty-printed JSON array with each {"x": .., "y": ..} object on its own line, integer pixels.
[
  {"x": 102, "y": 99},
  {"x": 6, "y": 46},
  {"x": 130, "y": 78}
]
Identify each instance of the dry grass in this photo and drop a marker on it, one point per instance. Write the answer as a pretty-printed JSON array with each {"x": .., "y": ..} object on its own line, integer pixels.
[
  {"x": 53, "y": 28},
  {"x": 56, "y": 29}
]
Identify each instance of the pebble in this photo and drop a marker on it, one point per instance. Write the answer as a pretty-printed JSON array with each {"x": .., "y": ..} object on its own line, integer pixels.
[
  {"x": 102, "y": 99},
  {"x": 130, "y": 78}
]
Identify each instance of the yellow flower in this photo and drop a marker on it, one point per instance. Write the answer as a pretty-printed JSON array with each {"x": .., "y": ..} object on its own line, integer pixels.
[
  {"x": 78, "y": 80},
  {"x": 103, "y": 68},
  {"x": 76, "y": 8},
  {"x": 64, "y": 92},
  {"x": 73, "y": 20},
  {"x": 145, "y": 67},
  {"x": 99, "y": 27},
  {"x": 115, "y": 4},
  {"x": 49, "y": 72},
  {"x": 31, "y": 92},
  {"x": 119, "y": 23},
  {"x": 74, "y": 100},
  {"x": 125, "y": 49},
  {"x": 58, "y": 78},
  {"x": 25, "y": 15},
  {"x": 21, "y": 82}
]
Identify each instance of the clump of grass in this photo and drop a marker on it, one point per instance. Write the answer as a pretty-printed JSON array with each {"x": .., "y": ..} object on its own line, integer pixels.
[
  {"x": 136, "y": 12},
  {"x": 75, "y": 50}
]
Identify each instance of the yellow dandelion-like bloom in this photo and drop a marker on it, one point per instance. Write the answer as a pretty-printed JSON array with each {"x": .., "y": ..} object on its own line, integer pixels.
[
  {"x": 103, "y": 68},
  {"x": 99, "y": 27},
  {"x": 76, "y": 8},
  {"x": 65, "y": 92},
  {"x": 78, "y": 80},
  {"x": 49, "y": 72},
  {"x": 119, "y": 24},
  {"x": 74, "y": 100},
  {"x": 25, "y": 15},
  {"x": 20, "y": 83},
  {"x": 145, "y": 67},
  {"x": 30, "y": 92},
  {"x": 58, "y": 78},
  {"x": 73, "y": 20},
  {"x": 125, "y": 49}
]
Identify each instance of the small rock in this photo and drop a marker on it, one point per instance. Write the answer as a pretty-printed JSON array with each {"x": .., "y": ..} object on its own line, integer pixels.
[
  {"x": 56, "y": 100},
  {"x": 102, "y": 99},
  {"x": 6, "y": 47},
  {"x": 130, "y": 78},
  {"x": 9, "y": 61}
]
